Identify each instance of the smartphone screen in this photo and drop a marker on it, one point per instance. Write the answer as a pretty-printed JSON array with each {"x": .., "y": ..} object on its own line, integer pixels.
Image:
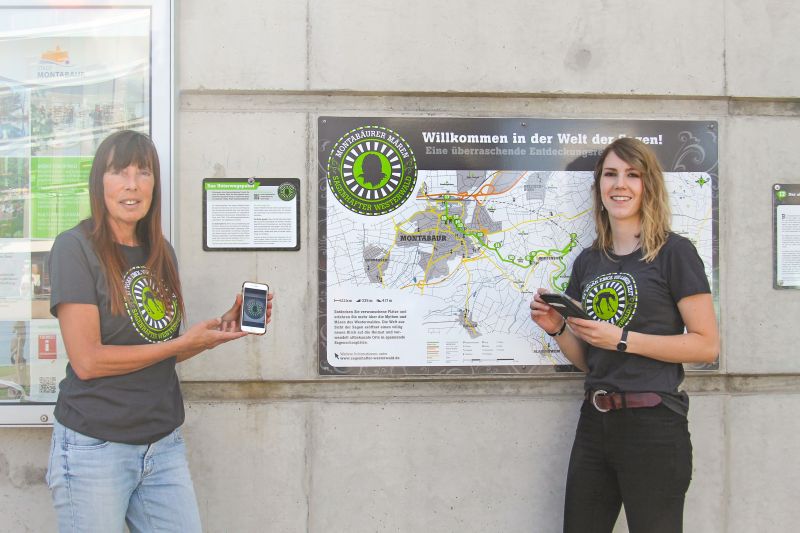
[{"x": 254, "y": 308}]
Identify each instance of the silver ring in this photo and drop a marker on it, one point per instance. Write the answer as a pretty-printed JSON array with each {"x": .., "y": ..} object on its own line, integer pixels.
[{"x": 595, "y": 394}]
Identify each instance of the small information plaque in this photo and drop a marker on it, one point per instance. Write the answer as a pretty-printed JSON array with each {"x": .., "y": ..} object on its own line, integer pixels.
[
  {"x": 251, "y": 214},
  {"x": 786, "y": 242}
]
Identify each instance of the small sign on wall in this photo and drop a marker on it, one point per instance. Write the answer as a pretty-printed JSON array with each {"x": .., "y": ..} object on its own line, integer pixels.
[
  {"x": 786, "y": 231},
  {"x": 251, "y": 214}
]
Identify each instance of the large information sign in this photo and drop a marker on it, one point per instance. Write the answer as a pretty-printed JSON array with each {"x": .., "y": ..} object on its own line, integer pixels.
[{"x": 434, "y": 233}]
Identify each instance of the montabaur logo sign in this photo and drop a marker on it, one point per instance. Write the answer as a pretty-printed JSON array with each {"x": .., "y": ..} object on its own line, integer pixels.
[{"x": 372, "y": 170}]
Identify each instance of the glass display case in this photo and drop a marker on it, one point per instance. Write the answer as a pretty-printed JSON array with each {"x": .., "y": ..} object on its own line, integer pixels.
[{"x": 69, "y": 76}]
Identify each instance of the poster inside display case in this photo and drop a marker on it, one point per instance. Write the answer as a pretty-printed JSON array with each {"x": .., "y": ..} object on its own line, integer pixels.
[{"x": 69, "y": 77}]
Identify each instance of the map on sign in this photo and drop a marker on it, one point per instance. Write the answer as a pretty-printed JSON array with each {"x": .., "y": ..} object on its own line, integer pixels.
[{"x": 446, "y": 279}]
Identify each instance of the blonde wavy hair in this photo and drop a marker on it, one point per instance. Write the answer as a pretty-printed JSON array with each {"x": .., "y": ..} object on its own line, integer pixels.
[{"x": 655, "y": 211}]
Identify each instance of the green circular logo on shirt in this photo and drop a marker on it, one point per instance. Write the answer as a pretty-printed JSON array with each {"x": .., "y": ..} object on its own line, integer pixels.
[
  {"x": 611, "y": 298},
  {"x": 154, "y": 319},
  {"x": 372, "y": 170},
  {"x": 155, "y": 307}
]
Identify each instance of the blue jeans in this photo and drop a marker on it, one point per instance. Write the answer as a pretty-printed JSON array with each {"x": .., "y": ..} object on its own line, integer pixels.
[
  {"x": 99, "y": 486},
  {"x": 641, "y": 458}
]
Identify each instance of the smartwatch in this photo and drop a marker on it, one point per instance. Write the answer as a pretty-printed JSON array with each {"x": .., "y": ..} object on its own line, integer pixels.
[{"x": 622, "y": 345}]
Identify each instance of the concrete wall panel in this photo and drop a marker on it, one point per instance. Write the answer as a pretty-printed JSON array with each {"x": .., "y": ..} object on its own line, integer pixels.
[
  {"x": 706, "y": 502},
  {"x": 239, "y": 145},
  {"x": 244, "y": 45},
  {"x": 248, "y": 464},
  {"x": 762, "y": 48},
  {"x": 24, "y": 496},
  {"x": 441, "y": 467},
  {"x": 756, "y": 152},
  {"x": 762, "y": 462},
  {"x": 584, "y": 47}
]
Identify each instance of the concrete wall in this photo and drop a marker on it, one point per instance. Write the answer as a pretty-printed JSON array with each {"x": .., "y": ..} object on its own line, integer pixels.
[{"x": 274, "y": 447}]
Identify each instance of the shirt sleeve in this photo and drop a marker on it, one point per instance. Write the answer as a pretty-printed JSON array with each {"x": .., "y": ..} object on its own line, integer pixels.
[
  {"x": 71, "y": 279},
  {"x": 173, "y": 255},
  {"x": 575, "y": 278},
  {"x": 685, "y": 271}
]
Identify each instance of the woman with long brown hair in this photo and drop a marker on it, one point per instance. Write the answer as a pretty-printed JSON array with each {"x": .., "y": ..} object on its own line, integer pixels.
[
  {"x": 650, "y": 307},
  {"x": 117, "y": 454}
]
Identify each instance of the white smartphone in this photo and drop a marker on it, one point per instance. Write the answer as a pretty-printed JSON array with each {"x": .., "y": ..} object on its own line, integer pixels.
[{"x": 254, "y": 307}]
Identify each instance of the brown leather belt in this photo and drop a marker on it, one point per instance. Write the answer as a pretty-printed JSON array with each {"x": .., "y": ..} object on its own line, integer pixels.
[{"x": 607, "y": 401}]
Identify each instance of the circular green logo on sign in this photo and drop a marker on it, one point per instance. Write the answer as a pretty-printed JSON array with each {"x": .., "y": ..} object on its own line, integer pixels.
[
  {"x": 286, "y": 192},
  {"x": 611, "y": 298},
  {"x": 372, "y": 170},
  {"x": 154, "y": 319}
]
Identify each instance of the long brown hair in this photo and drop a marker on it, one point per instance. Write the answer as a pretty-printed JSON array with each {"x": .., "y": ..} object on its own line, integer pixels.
[
  {"x": 655, "y": 211},
  {"x": 118, "y": 151}
]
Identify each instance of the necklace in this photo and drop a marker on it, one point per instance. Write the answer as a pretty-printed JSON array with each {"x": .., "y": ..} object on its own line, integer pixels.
[
  {"x": 619, "y": 254},
  {"x": 635, "y": 247}
]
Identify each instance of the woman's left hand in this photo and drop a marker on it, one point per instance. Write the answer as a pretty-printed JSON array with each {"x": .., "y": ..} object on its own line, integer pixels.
[
  {"x": 595, "y": 332},
  {"x": 230, "y": 318}
]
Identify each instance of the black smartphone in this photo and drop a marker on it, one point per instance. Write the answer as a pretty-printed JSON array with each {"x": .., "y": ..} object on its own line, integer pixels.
[{"x": 564, "y": 305}]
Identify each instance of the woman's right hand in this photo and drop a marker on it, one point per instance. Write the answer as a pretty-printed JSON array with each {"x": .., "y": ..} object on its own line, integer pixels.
[
  {"x": 544, "y": 315},
  {"x": 204, "y": 336}
]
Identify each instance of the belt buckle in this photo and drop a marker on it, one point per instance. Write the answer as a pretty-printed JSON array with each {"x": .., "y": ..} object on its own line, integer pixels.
[{"x": 595, "y": 394}]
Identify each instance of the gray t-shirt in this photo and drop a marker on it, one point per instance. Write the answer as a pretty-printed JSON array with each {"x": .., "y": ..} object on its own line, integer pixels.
[
  {"x": 136, "y": 408},
  {"x": 641, "y": 297}
]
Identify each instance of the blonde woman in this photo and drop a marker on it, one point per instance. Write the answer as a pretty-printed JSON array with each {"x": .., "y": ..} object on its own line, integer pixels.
[{"x": 651, "y": 310}]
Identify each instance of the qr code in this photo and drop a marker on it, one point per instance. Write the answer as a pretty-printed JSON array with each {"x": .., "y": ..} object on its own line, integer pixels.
[{"x": 48, "y": 385}]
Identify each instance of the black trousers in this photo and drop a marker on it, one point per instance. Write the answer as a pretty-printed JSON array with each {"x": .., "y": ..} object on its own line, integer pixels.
[{"x": 641, "y": 458}]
